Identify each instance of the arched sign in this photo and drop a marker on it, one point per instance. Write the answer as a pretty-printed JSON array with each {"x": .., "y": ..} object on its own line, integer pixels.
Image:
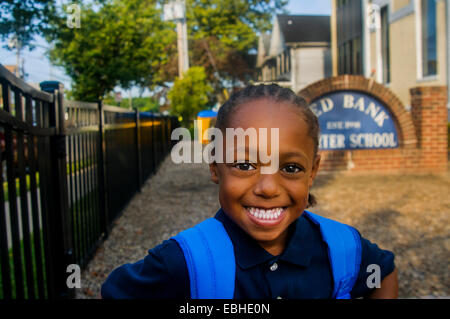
[{"x": 353, "y": 120}]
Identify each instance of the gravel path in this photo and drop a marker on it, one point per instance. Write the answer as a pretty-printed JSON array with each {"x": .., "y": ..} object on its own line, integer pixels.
[{"x": 406, "y": 214}]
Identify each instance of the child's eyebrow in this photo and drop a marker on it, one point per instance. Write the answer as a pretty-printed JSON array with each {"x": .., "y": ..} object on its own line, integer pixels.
[
  {"x": 293, "y": 154},
  {"x": 245, "y": 149},
  {"x": 241, "y": 151}
]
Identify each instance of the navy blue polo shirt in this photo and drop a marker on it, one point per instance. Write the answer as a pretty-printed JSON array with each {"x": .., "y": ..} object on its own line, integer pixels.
[{"x": 301, "y": 271}]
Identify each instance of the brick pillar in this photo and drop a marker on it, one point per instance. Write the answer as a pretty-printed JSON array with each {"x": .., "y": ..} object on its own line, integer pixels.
[{"x": 429, "y": 113}]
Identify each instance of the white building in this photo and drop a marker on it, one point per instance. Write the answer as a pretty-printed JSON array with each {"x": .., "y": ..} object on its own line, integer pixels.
[{"x": 296, "y": 53}]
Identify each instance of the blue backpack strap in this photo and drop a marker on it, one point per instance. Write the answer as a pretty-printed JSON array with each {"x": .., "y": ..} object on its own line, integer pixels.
[
  {"x": 210, "y": 260},
  {"x": 344, "y": 251}
]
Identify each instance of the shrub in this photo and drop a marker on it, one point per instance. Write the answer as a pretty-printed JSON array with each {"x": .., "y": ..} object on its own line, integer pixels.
[{"x": 189, "y": 95}]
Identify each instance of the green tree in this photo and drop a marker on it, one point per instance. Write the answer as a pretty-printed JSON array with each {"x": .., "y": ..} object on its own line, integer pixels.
[
  {"x": 143, "y": 104},
  {"x": 125, "y": 43},
  {"x": 120, "y": 43},
  {"x": 233, "y": 22},
  {"x": 189, "y": 95},
  {"x": 221, "y": 35},
  {"x": 24, "y": 19}
]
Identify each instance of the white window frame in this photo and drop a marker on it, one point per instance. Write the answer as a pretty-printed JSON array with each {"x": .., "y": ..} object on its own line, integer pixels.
[{"x": 419, "y": 57}]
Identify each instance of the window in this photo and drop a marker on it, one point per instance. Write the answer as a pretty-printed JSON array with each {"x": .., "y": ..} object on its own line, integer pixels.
[
  {"x": 349, "y": 32},
  {"x": 429, "y": 47},
  {"x": 385, "y": 44},
  {"x": 350, "y": 57},
  {"x": 341, "y": 60},
  {"x": 356, "y": 56},
  {"x": 341, "y": 3}
]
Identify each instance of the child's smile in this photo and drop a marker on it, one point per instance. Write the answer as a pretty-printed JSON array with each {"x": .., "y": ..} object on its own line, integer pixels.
[
  {"x": 264, "y": 205},
  {"x": 266, "y": 216}
]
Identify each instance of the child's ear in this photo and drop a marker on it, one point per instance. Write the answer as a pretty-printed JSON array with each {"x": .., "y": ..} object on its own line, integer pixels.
[
  {"x": 314, "y": 170},
  {"x": 214, "y": 172}
]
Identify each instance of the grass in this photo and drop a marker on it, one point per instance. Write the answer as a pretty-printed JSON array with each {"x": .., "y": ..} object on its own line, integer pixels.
[
  {"x": 34, "y": 266},
  {"x": 77, "y": 236},
  {"x": 71, "y": 168},
  {"x": 79, "y": 165},
  {"x": 5, "y": 186}
]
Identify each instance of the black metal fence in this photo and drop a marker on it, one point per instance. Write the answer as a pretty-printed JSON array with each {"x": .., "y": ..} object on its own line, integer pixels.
[{"x": 67, "y": 171}]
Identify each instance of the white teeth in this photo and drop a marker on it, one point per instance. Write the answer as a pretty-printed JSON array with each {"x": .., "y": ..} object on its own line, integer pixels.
[{"x": 268, "y": 214}]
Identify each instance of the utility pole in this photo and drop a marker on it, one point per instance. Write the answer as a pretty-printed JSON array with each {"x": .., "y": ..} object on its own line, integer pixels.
[
  {"x": 15, "y": 43},
  {"x": 374, "y": 24},
  {"x": 176, "y": 11},
  {"x": 17, "y": 61},
  {"x": 180, "y": 46},
  {"x": 185, "y": 41}
]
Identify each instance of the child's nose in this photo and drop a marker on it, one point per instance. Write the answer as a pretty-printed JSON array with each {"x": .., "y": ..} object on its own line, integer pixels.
[{"x": 266, "y": 186}]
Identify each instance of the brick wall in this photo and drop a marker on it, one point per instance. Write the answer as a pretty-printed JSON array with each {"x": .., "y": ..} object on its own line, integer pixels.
[
  {"x": 422, "y": 133},
  {"x": 429, "y": 113}
]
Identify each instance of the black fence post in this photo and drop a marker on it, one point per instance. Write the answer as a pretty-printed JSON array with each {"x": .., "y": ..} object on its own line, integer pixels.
[
  {"x": 165, "y": 139},
  {"x": 153, "y": 142},
  {"x": 59, "y": 221},
  {"x": 138, "y": 151},
  {"x": 102, "y": 183}
]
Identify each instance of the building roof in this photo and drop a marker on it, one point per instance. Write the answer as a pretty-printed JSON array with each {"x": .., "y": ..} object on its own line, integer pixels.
[
  {"x": 304, "y": 28},
  {"x": 11, "y": 68}
]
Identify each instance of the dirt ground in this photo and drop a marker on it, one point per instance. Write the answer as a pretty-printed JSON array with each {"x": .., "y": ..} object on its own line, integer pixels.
[{"x": 406, "y": 214}]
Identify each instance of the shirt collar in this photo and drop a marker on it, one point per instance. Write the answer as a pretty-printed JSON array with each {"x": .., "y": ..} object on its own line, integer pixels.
[
  {"x": 249, "y": 253},
  {"x": 300, "y": 245}
]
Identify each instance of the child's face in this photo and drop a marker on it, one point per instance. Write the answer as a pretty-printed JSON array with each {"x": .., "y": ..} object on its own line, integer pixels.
[{"x": 282, "y": 196}]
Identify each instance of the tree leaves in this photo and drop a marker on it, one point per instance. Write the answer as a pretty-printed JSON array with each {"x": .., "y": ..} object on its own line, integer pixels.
[
  {"x": 189, "y": 95},
  {"x": 221, "y": 33},
  {"x": 121, "y": 43},
  {"x": 24, "y": 19},
  {"x": 125, "y": 43}
]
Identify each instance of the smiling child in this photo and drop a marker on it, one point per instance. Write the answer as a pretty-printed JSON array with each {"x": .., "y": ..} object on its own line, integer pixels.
[{"x": 262, "y": 243}]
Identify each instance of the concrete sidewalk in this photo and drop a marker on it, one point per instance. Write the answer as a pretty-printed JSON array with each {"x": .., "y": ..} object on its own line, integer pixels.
[{"x": 177, "y": 197}]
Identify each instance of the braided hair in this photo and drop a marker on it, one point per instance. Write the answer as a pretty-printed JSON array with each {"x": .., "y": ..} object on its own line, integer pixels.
[{"x": 275, "y": 93}]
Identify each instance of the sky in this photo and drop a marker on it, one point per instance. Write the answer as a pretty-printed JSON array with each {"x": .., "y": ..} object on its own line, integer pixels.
[
  {"x": 38, "y": 68},
  {"x": 309, "y": 7}
]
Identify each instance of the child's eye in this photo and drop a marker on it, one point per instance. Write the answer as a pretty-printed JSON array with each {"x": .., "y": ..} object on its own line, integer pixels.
[
  {"x": 244, "y": 166},
  {"x": 292, "y": 168}
]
